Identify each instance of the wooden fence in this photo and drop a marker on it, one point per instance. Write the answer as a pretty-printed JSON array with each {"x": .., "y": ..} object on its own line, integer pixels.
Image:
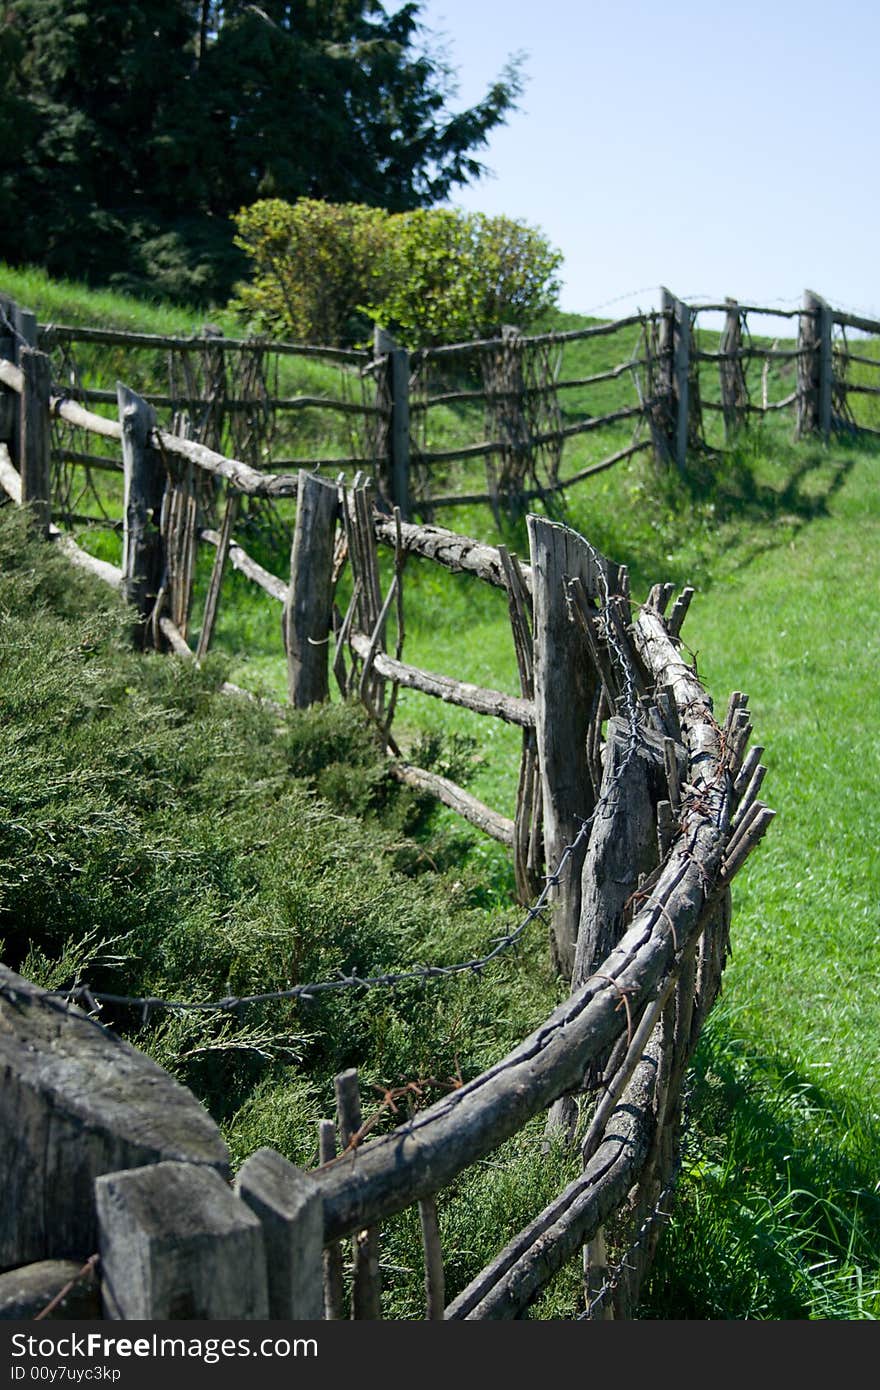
[
  {"x": 659, "y": 390},
  {"x": 635, "y": 809}
]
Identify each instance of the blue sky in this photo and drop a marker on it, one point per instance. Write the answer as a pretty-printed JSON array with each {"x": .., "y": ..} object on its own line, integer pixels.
[{"x": 719, "y": 149}]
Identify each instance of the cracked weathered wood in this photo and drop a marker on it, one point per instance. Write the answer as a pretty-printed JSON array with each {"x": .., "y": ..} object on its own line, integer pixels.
[
  {"x": 507, "y": 1286},
  {"x": 308, "y": 609},
  {"x": 460, "y": 554},
  {"x": 35, "y": 440},
  {"x": 76, "y": 1101},
  {"x": 142, "y": 549},
  {"x": 565, "y": 683},
  {"x": 176, "y": 1243},
  {"x": 423, "y": 1155},
  {"x": 288, "y": 1205},
  {"x": 623, "y": 845}
]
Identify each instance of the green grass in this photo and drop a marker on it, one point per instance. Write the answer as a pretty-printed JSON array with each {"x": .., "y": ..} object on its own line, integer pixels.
[{"x": 778, "y": 1212}]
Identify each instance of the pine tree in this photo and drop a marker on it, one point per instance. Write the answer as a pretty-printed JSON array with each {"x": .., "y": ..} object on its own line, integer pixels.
[{"x": 135, "y": 131}]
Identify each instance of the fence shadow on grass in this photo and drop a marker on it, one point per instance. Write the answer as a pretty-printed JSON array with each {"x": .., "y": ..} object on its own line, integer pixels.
[{"x": 796, "y": 1212}]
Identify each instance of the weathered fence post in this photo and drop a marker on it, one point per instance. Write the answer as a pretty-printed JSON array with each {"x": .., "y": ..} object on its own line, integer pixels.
[
  {"x": 681, "y": 346},
  {"x": 732, "y": 377},
  {"x": 665, "y": 359},
  {"x": 365, "y": 1295},
  {"x": 814, "y": 368},
  {"x": 679, "y": 383},
  {"x": 144, "y": 484},
  {"x": 35, "y": 432},
  {"x": 290, "y": 1208},
  {"x": 507, "y": 418},
  {"x": 8, "y": 401},
  {"x": 332, "y": 1260},
  {"x": 175, "y": 1242},
  {"x": 309, "y": 605},
  {"x": 566, "y": 686},
  {"x": 75, "y": 1102},
  {"x": 398, "y": 446}
]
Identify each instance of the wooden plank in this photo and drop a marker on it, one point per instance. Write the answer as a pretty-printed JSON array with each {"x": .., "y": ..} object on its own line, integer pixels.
[
  {"x": 27, "y": 1292},
  {"x": 309, "y": 606},
  {"x": 600, "y": 330},
  {"x": 506, "y": 1286},
  {"x": 77, "y": 1101},
  {"x": 58, "y": 332},
  {"x": 35, "y": 436},
  {"x": 234, "y": 405},
  {"x": 85, "y": 419},
  {"x": 418, "y": 1159},
  {"x": 288, "y": 1204},
  {"x": 142, "y": 550},
  {"x": 176, "y": 1243},
  {"x": 240, "y": 475},
  {"x": 855, "y": 321}
]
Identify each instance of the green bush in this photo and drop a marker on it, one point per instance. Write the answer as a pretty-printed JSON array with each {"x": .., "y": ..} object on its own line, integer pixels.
[
  {"x": 324, "y": 271},
  {"x": 458, "y": 275},
  {"x": 314, "y": 265}
]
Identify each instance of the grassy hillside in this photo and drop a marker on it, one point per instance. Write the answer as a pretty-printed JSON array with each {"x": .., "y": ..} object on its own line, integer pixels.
[{"x": 778, "y": 1211}]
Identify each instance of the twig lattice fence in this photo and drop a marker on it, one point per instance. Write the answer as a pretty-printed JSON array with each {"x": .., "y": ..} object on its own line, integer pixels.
[
  {"x": 234, "y": 397},
  {"x": 635, "y": 810}
]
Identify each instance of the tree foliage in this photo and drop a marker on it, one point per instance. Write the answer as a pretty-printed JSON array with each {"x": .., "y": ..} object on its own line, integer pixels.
[
  {"x": 324, "y": 272},
  {"x": 133, "y": 132}
]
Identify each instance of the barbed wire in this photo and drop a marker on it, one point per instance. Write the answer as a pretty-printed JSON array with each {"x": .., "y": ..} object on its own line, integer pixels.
[
  {"x": 614, "y": 1276},
  {"x": 390, "y": 979}
]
